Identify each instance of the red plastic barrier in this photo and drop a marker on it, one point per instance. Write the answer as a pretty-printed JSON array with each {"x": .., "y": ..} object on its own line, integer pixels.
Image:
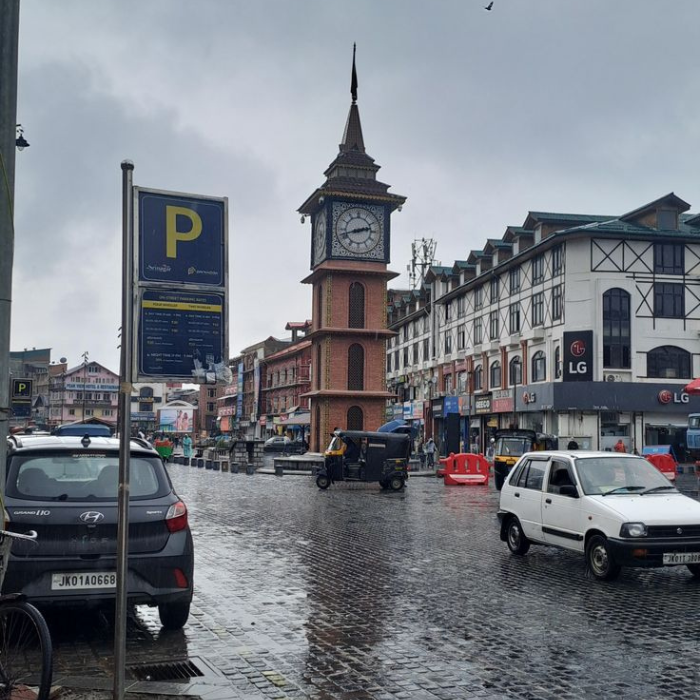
[
  {"x": 466, "y": 468},
  {"x": 665, "y": 463}
]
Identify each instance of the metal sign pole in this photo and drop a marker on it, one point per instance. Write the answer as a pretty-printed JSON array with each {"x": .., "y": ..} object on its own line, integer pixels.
[{"x": 125, "y": 382}]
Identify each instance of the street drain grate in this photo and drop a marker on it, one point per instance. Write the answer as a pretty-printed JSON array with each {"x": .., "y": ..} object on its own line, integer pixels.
[{"x": 178, "y": 671}]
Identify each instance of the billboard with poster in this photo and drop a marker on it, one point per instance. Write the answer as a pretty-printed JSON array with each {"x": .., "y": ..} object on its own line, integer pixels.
[{"x": 176, "y": 420}]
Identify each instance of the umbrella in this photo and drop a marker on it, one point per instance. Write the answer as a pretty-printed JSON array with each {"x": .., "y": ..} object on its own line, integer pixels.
[{"x": 693, "y": 388}]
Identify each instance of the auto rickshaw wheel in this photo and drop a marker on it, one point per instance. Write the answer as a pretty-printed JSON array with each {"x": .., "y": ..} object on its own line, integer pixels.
[
  {"x": 396, "y": 483},
  {"x": 322, "y": 481}
]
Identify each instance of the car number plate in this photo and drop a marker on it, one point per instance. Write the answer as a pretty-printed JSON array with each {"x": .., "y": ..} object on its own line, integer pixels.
[
  {"x": 682, "y": 558},
  {"x": 78, "y": 581}
]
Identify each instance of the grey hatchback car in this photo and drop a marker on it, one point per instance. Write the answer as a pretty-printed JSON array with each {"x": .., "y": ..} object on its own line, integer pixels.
[{"x": 65, "y": 488}]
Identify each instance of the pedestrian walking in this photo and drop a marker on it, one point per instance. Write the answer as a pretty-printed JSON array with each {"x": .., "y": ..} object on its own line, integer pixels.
[
  {"x": 491, "y": 451},
  {"x": 430, "y": 448},
  {"x": 187, "y": 446},
  {"x": 620, "y": 446}
]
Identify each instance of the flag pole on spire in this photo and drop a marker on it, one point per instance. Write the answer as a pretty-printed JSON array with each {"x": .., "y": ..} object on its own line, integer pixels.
[{"x": 353, "y": 83}]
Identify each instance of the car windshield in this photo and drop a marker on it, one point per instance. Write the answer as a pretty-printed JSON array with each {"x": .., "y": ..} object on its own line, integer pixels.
[
  {"x": 82, "y": 476},
  {"x": 335, "y": 445},
  {"x": 621, "y": 475},
  {"x": 512, "y": 446}
]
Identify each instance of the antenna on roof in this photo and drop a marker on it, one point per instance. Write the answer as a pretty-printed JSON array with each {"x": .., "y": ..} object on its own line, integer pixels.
[{"x": 422, "y": 257}]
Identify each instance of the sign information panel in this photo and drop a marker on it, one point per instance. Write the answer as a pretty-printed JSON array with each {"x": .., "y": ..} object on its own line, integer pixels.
[
  {"x": 180, "y": 334},
  {"x": 181, "y": 274}
]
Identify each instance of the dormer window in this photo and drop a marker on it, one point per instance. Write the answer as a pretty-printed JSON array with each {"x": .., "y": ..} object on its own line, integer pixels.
[{"x": 667, "y": 220}]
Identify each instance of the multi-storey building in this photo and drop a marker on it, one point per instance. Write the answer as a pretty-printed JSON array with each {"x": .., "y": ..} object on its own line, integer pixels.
[
  {"x": 208, "y": 408},
  {"x": 87, "y": 391},
  {"x": 286, "y": 377},
  {"x": 146, "y": 399},
  {"x": 579, "y": 325}
]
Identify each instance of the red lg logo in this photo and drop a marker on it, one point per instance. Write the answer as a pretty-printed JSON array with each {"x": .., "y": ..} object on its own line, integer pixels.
[
  {"x": 578, "y": 348},
  {"x": 665, "y": 396}
]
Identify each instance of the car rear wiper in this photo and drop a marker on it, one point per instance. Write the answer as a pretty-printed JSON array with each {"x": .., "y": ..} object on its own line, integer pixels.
[
  {"x": 658, "y": 488},
  {"x": 619, "y": 489},
  {"x": 62, "y": 497}
]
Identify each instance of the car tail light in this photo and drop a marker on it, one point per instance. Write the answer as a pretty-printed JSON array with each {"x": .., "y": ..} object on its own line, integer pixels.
[
  {"x": 180, "y": 578},
  {"x": 176, "y": 518}
]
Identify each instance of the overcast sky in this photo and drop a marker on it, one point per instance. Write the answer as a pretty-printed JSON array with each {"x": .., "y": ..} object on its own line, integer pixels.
[{"x": 580, "y": 106}]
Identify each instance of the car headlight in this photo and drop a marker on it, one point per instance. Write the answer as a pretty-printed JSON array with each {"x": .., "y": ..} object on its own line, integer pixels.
[{"x": 633, "y": 530}]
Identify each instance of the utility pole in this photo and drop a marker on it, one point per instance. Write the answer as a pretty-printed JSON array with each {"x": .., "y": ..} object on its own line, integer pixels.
[
  {"x": 85, "y": 364},
  {"x": 9, "y": 49}
]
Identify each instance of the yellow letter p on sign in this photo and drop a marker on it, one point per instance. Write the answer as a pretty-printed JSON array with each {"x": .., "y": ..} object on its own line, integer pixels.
[{"x": 172, "y": 235}]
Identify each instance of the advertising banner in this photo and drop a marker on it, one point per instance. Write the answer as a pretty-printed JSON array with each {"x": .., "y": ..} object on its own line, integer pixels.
[
  {"x": 578, "y": 356},
  {"x": 176, "y": 420}
]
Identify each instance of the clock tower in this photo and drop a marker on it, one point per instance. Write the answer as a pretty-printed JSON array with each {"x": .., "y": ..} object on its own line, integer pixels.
[{"x": 350, "y": 222}]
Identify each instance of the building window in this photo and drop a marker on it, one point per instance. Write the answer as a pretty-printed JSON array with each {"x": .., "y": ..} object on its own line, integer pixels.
[
  {"x": 493, "y": 325},
  {"x": 538, "y": 269},
  {"x": 145, "y": 392},
  {"x": 669, "y": 300},
  {"x": 448, "y": 310},
  {"x": 557, "y": 260},
  {"x": 539, "y": 367},
  {"x": 514, "y": 280},
  {"x": 210, "y": 407},
  {"x": 514, "y": 318},
  {"x": 461, "y": 338},
  {"x": 388, "y": 362},
  {"x": 478, "y": 331},
  {"x": 537, "y": 309},
  {"x": 461, "y": 306},
  {"x": 515, "y": 371},
  {"x": 405, "y": 356},
  {"x": 495, "y": 288},
  {"x": 71, "y": 411},
  {"x": 426, "y": 324},
  {"x": 557, "y": 362},
  {"x": 478, "y": 297},
  {"x": 478, "y": 378},
  {"x": 145, "y": 407},
  {"x": 556, "y": 303},
  {"x": 447, "y": 382},
  {"x": 405, "y": 332},
  {"x": 448, "y": 342},
  {"x": 397, "y": 365},
  {"x": 668, "y": 362},
  {"x": 355, "y": 419},
  {"x": 495, "y": 375},
  {"x": 616, "y": 329},
  {"x": 426, "y": 349},
  {"x": 669, "y": 258}
]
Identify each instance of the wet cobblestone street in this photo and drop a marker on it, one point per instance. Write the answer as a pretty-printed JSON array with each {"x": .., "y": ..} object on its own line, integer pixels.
[{"x": 356, "y": 594}]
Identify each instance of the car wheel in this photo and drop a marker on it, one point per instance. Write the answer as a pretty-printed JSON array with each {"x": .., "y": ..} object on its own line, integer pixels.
[
  {"x": 322, "y": 481},
  {"x": 694, "y": 569},
  {"x": 173, "y": 616},
  {"x": 599, "y": 559},
  {"x": 396, "y": 483},
  {"x": 498, "y": 480},
  {"x": 517, "y": 542}
]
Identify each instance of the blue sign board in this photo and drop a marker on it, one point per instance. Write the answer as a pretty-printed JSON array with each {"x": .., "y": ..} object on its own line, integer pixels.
[
  {"x": 180, "y": 334},
  {"x": 181, "y": 239},
  {"x": 451, "y": 404}
]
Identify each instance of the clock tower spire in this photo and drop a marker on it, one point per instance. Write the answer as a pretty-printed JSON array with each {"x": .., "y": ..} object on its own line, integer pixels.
[{"x": 350, "y": 250}]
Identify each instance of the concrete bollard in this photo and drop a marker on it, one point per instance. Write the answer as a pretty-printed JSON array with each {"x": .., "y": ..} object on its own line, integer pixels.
[
  {"x": 279, "y": 470},
  {"x": 250, "y": 469},
  {"x": 234, "y": 467}
]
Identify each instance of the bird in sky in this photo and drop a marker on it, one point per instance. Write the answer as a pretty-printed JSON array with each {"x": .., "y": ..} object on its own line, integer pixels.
[{"x": 489, "y": 6}]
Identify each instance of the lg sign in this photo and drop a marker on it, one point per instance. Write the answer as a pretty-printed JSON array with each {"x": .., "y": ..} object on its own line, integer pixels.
[
  {"x": 665, "y": 397},
  {"x": 578, "y": 356}
]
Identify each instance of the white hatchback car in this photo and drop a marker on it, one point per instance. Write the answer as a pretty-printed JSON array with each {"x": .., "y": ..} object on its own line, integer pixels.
[{"x": 617, "y": 509}]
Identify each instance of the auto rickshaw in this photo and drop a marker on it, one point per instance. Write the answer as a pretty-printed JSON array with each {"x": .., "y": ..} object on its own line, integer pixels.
[
  {"x": 511, "y": 444},
  {"x": 356, "y": 455}
]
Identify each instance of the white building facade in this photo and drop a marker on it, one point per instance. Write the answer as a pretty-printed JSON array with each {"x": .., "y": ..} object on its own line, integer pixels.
[{"x": 582, "y": 326}]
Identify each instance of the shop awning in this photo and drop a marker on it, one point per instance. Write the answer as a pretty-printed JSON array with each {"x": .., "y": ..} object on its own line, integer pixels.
[
  {"x": 299, "y": 419},
  {"x": 693, "y": 388}
]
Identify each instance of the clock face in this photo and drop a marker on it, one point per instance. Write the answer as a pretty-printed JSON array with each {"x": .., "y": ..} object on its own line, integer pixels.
[
  {"x": 319, "y": 236},
  {"x": 358, "y": 230}
]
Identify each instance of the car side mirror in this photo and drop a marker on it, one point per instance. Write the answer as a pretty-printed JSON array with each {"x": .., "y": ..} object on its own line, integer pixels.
[{"x": 568, "y": 490}]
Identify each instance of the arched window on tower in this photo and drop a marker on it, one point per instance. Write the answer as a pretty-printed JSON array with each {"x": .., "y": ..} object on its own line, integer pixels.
[
  {"x": 356, "y": 419},
  {"x": 356, "y": 367},
  {"x": 356, "y": 305}
]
